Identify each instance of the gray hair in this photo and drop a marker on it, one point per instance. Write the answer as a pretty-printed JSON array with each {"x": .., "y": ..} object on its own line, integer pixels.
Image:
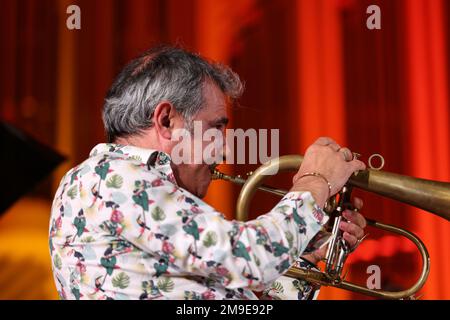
[{"x": 162, "y": 74}]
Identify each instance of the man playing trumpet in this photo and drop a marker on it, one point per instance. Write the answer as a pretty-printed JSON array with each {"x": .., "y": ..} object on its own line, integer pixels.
[{"x": 129, "y": 223}]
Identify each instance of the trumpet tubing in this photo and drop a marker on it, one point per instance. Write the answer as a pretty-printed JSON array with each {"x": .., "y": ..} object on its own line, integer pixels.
[{"x": 432, "y": 196}]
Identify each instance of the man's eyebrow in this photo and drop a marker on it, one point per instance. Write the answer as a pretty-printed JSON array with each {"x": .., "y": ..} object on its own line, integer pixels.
[{"x": 220, "y": 121}]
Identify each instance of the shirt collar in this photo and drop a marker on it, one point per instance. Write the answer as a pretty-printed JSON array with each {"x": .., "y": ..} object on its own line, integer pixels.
[{"x": 149, "y": 157}]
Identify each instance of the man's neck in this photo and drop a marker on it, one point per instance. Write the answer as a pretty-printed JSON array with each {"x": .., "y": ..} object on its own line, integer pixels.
[{"x": 145, "y": 141}]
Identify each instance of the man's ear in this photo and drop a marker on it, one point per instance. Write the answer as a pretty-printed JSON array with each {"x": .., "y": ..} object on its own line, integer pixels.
[{"x": 163, "y": 119}]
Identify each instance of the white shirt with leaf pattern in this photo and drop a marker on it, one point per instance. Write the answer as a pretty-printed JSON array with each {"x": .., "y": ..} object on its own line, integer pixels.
[{"x": 121, "y": 228}]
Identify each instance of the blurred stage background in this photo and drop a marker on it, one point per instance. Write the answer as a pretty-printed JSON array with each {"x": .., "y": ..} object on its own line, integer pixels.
[{"x": 311, "y": 68}]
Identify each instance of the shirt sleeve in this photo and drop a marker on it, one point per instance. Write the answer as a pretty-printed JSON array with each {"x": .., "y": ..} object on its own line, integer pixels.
[
  {"x": 189, "y": 237},
  {"x": 286, "y": 288}
]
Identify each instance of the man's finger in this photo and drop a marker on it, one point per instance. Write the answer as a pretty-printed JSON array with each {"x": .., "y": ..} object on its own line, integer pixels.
[
  {"x": 355, "y": 217},
  {"x": 351, "y": 240},
  {"x": 325, "y": 141},
  {"x": 357, "y": 165},
  {"x": 352, "y": 228},
  {"x": 358, "y": 203}
]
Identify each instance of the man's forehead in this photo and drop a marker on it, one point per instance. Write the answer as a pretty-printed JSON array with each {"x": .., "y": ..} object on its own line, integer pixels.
[
  {"x": 214, "y": 113},
  {"x": 216, "y": 103}
]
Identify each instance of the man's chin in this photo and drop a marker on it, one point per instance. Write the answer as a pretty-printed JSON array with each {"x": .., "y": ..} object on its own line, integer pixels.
[
  {"x": 202, "y": 191},
  {"x": 201, "y": 195}
]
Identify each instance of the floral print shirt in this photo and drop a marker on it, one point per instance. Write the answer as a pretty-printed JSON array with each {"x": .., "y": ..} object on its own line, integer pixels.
[{"x": 121, "y": 228}]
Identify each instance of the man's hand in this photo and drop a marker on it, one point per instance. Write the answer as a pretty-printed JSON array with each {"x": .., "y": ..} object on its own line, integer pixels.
[
  {"x": 332, "y": 166},
  {"x": 353, "y": 229}
]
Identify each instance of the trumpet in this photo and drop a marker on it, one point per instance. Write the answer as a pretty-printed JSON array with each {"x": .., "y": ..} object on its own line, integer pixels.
[{"x": 429, "y": 195}]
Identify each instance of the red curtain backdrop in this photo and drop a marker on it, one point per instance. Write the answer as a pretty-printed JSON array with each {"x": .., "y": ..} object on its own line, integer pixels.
[{"x": 311, "y": 68}]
